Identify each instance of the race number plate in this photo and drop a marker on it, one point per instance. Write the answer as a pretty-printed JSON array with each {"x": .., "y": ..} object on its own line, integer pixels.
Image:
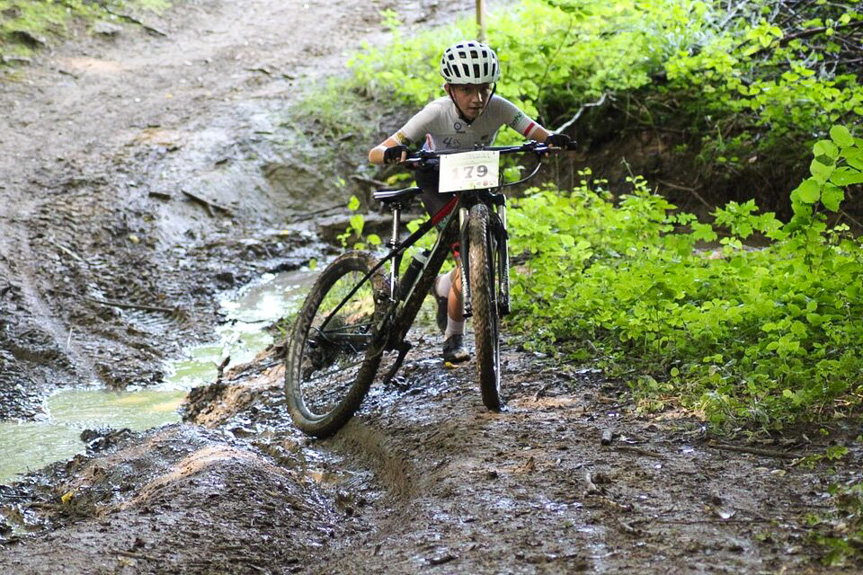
[{"x": 469, "y": 171}]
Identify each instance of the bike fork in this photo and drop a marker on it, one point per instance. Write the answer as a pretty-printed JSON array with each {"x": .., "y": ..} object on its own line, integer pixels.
[
  {"x": 464, "y": 248},
  {"x": 503, "y": 255}
]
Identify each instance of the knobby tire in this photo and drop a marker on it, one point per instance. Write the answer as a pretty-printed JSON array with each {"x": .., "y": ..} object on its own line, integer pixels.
[
  {"x": 483, "y": 271},
  {"x": 329, "y": 368}
]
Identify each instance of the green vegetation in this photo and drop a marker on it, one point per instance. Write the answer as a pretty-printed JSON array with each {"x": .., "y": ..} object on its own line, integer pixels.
[
  {"x": 728, "y": 86},
  {"x": 841, "y": 531},
  {"x": 760, "y": 337},
  {"x": 27, "y": 25},
  {"x": 764, "y": 336}
]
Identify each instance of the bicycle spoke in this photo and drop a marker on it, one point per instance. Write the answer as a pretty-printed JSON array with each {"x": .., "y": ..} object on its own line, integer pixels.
[{"x": 324, "y": 376}]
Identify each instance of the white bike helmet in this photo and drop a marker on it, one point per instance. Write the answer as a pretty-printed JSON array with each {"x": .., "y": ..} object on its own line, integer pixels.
[{"x": 469, "y": 62}]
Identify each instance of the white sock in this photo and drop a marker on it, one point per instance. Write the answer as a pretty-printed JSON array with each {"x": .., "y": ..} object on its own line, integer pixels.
[
  {"x": 443, "y": 285},
  {"x": 453, "y": 328}
]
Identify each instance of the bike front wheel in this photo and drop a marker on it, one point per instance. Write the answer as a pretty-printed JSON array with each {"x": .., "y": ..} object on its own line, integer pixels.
[
  {"x": 328, "y": 370},
  {"x": 483, "y": 271}
]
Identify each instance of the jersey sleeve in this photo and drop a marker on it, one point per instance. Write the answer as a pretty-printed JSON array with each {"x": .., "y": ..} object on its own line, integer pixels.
[
  {"x": 417, "y": 127},
  {"x": 513, "y": 117}
]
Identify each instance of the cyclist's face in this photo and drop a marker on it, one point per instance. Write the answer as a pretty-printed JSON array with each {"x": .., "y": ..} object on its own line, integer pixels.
[{"x": 470, "y": 98}]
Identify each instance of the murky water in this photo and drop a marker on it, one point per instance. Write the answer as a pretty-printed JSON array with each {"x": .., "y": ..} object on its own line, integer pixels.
[
  {"x": 56, "y": 435},
  {"x": 31, "y": 445}
]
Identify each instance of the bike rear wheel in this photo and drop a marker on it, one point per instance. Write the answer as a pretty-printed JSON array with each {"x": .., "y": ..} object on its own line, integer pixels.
[
  {"x": 328, "y": 370},
  {"x": 484, "y": 270}
]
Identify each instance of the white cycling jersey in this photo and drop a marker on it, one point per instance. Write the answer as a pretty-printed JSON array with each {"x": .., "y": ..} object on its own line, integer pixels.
[{"x": 440, "y": 119}]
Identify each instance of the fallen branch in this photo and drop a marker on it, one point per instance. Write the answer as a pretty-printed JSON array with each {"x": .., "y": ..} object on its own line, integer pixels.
[
  {"x": 581, "y": 110},
  {"x": 541, "y": 391},
  {"x": 844, "y": 214},
  {"x": 638, "y": 450},
  {"x": 159, "y": 195},
  {"x": 307, "y": 215},
  {"x": 607, "y": 436},
  {"x": 717, "y": 520},
  {"x": 121, "y": 305},
  {"x": 686, "y": 189},
  {"x": 609, "y": 502},
  {"x": 66, "y": 250},
  {"x": 369, "y": 181},
  {"x": 755, "y": 451},
  {"x": 133, "y": 555},
  {"x": 209, "y": 205},
  {"x": 815, "y": 31},
  {"x": 124, "y": 305},
  {"x": 592, "y": 489},
  {"x": 628, "y": 527},
  {"x": 221, "y": 368}
]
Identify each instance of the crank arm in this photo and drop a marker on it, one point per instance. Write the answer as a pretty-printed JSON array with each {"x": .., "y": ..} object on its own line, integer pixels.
[{"x": 403, "y": 348}]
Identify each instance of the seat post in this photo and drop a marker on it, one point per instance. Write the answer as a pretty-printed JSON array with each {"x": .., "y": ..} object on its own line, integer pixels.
[
  {"x": 394, "y": 241},
  {"x": 397, "y": 215}
]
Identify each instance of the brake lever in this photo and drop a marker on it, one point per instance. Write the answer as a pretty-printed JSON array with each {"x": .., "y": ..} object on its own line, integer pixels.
[
  {"x": 419, "y": 158},
  {"x": 571, "y": 146}
]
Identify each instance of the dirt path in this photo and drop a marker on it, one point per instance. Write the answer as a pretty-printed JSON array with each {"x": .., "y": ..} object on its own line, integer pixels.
[
  {"x": 108, "y": 142},
  {"x": 108, "y": 264}
]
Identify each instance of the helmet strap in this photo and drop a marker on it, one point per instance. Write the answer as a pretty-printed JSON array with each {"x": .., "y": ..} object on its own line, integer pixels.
[{"x": 461, "y": 114}]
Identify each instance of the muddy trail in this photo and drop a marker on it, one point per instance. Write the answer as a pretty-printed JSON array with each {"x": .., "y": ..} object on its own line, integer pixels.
[{"x": 148, "y": 169}]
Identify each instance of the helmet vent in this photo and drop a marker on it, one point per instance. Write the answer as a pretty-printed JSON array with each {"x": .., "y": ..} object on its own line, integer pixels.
[{"x": 469, "y": 62}]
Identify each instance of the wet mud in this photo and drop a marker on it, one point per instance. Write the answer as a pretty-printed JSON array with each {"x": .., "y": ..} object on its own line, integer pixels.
[{"x": 144, "y": 175}]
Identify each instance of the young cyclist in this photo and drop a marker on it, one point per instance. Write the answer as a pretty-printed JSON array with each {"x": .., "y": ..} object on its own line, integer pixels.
[{"x": 469, "y": 115}]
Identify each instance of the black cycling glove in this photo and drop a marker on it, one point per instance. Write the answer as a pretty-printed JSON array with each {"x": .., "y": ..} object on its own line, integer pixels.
[
  {"x": 559, "y": 141},
  {"x": 394, "y": 155}
]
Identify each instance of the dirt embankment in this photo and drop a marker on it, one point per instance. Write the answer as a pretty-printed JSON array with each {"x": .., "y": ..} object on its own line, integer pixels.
[{"x": 144, "y": 173}]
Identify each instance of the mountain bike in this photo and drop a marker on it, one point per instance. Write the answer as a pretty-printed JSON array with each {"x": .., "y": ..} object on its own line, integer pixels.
[{"x": 351, "y": 331}]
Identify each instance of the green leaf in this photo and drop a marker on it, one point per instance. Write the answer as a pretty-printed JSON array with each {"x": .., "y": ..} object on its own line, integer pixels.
[
  {"x": 809, "y": 191},
  {"x": 842, "y": 136},
  {"x": 846, "y": 177},
  {"x": 825, "y": 160},
  {"x": 854, "y": 157},
  {"x": 820, "y": 171},
  {"x": 825, "y": 148},
  {"x": 356, "y": 222},
  {"x": 831, "y": 197},
  {"x": 703, "y": 232},
  {"x": 354, "y": 204}
]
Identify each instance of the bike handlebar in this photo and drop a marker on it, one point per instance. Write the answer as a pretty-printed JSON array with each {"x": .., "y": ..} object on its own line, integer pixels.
[{"x": 421, "y": 157}]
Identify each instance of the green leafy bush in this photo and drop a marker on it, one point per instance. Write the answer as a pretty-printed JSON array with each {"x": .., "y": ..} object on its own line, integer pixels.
[
  {"x": 574, "y": 52},
  {"x": 735, "y": 86},
  {"x": 764, "y": 335},
  {"x": 764, "y": 75}
]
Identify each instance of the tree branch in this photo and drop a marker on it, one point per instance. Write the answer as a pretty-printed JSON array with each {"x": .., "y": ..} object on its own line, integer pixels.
[{"x": 815, "y": 31}]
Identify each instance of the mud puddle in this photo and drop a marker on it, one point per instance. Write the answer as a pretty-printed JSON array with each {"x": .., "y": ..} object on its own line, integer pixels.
[
  {"x": 56, "y": 433},
  {"x": 249, "y": 315}
]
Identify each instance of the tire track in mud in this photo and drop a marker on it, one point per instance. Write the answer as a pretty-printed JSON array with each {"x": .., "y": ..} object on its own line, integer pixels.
[
  {"x": 460, "y": 480},
  {"x": 39, "y": 347},
  {"x": 118, "y": 295},
  {"x": 370, "y": 447}
]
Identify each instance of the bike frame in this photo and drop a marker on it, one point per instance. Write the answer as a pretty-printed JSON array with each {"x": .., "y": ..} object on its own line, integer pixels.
[{"x": 401, "y": 313}]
